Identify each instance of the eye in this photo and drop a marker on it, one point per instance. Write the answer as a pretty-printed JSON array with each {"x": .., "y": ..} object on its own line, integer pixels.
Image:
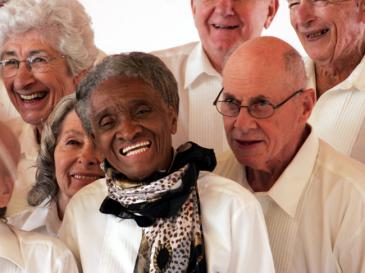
[
  {"x": 142, "y": 110},
  {"x": 11, "y": 62},
  {"x": 106, "y": 122},
  {"x": 39, "y": 60},
  {"x": 73, "y": 142}
]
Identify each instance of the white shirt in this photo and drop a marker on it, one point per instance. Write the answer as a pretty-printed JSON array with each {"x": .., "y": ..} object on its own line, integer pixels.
[
  {"x": 28, "y": 252},
  {"x": 43, "y": 219},
  {"x": 339, "y": 114},
  {"x": 26, "y": 168},
  {"x": 199, "y": 84},
  {"x": 315, "y": 212},
  {"x": 233, "y": 227}
]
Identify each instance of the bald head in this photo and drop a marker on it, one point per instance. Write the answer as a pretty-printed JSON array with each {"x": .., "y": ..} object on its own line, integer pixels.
[{"x": 266, "y": 58}]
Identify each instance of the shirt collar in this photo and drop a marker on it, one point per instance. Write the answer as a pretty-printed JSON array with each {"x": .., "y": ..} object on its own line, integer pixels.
[
  {"x": 9, "y": 247},
  {"x": 289, "y": 187},
  {"x": 198, "y": 64},
  {"x": 355, "y": 80}
]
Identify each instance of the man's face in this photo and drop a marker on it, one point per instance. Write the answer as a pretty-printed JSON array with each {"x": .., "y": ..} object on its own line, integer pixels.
[
  {"x": 262, "y": 143},
  {"x": 132, "y": 126},
  {"x": 328, "y": 31},
  {"x": 34, "y": 94},
  {"x": 224, "y": 24}
]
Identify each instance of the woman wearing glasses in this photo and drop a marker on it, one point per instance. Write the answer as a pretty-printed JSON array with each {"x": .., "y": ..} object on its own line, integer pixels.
[{"x": 45, "y": 47}]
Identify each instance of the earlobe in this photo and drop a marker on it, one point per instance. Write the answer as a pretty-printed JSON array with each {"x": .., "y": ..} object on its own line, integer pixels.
[
  {"x": 272, "y": 9},
  {"x": 6, "y": 191},
  {"x": 77, "y": 79},
  {"x": 173, "y": 120},
  {"x": 309, "y": 99}
]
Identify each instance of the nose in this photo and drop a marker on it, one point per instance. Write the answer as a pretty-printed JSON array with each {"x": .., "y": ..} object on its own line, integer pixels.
[
  {"x": 244, "y": 121},
  {"x": 89, "y": 156},
  {"x": 224, "y": 7},
  {"x": 24, "y": 77},
  {"x": 303, "y": 14},
  {"x": 128, "y": 129}
]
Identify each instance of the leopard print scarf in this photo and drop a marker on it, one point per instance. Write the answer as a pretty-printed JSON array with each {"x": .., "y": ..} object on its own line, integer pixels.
[{"x": 168, "y": 211}]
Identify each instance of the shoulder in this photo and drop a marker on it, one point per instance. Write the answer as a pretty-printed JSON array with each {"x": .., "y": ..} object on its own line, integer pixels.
[
  {"x": 340, "y": 171},
  {"x": 217, "y": 191},
  {"x": 175, "y": 52}
]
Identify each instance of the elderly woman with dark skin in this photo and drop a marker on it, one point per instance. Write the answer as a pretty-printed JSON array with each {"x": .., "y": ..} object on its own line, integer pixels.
[
  {"x": 22, "y": 251},
  {"x": 67, "y": 161},
  {"x": 46, "y": 46},
  {"x": 157, "y": 210}
]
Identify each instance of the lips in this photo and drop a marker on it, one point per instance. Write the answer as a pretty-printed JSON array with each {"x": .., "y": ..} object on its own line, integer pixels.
[
  {"x": 225, "y": 26},
  {"x": 136, "y": 148},
  {"x": 315, "y": 35},
  {"x": 248, "y": 142}
]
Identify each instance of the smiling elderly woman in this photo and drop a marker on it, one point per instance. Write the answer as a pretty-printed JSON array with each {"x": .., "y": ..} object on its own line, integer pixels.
[
  {"x": 67, "y": 162},
  {"x": 160, "y": 210},
  {"x": 45, "y": 47}
]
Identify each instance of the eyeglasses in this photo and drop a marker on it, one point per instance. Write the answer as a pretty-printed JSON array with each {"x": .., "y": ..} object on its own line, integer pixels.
[
  {"x": 36, "y": 64},
  {"x": 316, "y": 3},
  {"x": 259, "y": 108}
]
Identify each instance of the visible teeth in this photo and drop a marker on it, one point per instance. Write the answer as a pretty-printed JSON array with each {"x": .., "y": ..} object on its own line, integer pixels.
[
  {"x": 224, "y": 26},
  {"x": 317, "y": 34},
  {"x": 81, "y": 177},
  {"x": 32, "y": 96},
  {"x": 136, "y": 146},
  {"x": 139, "y": 151}
]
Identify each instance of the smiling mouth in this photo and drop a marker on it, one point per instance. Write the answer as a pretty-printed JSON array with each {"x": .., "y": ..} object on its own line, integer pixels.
[
  {"x": 248, "y": 142},
  {"x": 317, "y": 34},
  {"x": 229, "y": 27},
  {"x": 135, "y": 148},
  {"x": 33, "y": 97},
  {"x": 85, "y": 176}
]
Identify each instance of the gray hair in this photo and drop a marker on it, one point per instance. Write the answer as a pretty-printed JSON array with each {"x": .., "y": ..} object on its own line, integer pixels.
[
  {"x": 143, "y": 66},
  {"x": 295, "y": 68},
  {"x": 46, "y": 183},
  {"x": 62, "y": 22}
]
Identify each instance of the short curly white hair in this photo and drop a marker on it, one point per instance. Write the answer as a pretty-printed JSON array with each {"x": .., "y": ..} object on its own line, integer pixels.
[{"x": 62, "y": 23}]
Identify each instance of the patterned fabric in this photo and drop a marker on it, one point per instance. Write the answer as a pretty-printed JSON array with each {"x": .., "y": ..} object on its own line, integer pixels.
[{"x": 168, "y": 210}]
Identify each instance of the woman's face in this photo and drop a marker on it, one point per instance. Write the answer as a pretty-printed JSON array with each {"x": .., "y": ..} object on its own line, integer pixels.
[
  {"x": 77, "y": 162},
  {"x": 34, "y": 92}
]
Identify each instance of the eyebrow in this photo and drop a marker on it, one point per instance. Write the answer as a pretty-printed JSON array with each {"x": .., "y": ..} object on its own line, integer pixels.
[
  {"x": 12, "y": 53},
  {"x": 251, "y": 100}
]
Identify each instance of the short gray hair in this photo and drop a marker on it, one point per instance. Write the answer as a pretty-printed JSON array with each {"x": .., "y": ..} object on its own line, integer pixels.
[
  {"x": 46, "y": 185},
  {"x": 63, "y": 22},
  {"x": 146, "y": 67}
]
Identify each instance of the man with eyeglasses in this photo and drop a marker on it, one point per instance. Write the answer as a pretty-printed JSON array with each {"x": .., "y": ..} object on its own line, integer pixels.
[
  {"x": 222, "y": 25},
  {"x": 332, "y": 33},
  {"x": 313, "y": 197}
]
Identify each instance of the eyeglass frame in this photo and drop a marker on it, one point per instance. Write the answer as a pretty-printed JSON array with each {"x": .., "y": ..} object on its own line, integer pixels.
[
  {"x": 28, "y": 63},
  {"x": 326, "y": 2},
  {"x": 239, "y": 107}
]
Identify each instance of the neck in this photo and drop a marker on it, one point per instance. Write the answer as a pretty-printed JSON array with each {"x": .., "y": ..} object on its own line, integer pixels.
[
  {"x": 331, "y": 73},
  {"x": 62, "y": 202},
  {"x": 261, "y": 180},
  {"x": 217, "y": 59}
]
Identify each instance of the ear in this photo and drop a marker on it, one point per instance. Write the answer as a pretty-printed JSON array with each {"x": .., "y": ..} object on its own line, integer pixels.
[
  {"x": 77, "y": 79},
  {"x": 172, "y": 120},
  {"x": 6, "y": 190},
  {"x": 308, "y": 102},
  {"x": 272, "y": 9}
]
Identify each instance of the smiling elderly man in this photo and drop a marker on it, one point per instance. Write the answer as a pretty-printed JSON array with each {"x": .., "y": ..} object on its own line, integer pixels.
[
  {"x": 222, "y": 26},
  {"x": 332, "y": 33},
  {"x": 313, "y": 197}
]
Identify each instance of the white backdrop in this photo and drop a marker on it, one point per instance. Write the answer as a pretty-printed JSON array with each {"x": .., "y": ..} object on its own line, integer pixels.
[{"x": 146, "y": 25}]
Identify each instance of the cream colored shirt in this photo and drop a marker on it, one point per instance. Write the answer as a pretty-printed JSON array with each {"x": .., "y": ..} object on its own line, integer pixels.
[
  {"x": 315, "y": 212},
  {"x": 28, "y": 252},
  {"x": 199, "y": 84},
  {"x": 339, "y": 114},
  {"x": 233, "y": 227},
  {"x": 26, "y": 168},
  {"x": 43, "y": 219}
]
